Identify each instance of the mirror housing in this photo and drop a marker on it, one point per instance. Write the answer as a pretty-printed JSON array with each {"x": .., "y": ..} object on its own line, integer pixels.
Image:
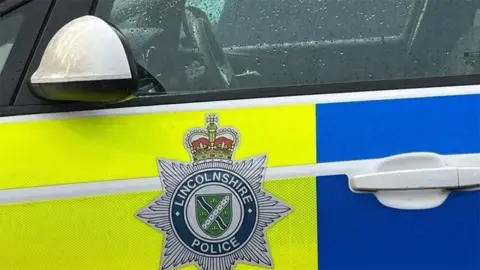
[{"x": 86, "y": 60}]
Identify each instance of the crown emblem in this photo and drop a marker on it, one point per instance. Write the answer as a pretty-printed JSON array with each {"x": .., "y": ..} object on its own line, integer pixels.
[{"x": 212, "y": 143}]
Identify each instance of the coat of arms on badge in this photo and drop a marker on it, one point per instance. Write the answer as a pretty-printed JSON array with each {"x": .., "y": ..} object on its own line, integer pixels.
[{"x": 214, "y": 211}]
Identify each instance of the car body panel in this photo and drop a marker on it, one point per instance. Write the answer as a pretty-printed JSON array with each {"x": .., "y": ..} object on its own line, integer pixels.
[
  {"x": 375, "y": 237},
  {"x": 127, "y": 142},
  {"x": 102, "y": 232},
  {"x": 357, "y": 232},
  {"x": 55, "y": 223}
]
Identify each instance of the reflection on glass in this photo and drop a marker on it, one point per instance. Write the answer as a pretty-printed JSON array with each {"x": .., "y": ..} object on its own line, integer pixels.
[
  {"x": 9, "y": 28},
  {"x": 202, "y": 45}
]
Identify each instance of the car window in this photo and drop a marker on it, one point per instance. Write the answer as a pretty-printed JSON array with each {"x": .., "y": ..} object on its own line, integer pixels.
[
  {"x": 271, "y": 22},
  {"x": 213, "y": 9},
  {"x": 203, "y": 45},
  {"x": 9, "y": 28}
]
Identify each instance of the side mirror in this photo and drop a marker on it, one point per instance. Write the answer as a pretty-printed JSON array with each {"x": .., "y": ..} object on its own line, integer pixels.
[{"x": 87, "y": 60}]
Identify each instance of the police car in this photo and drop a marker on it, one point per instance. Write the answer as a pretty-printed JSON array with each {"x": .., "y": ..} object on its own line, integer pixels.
[{"x": 219, "y": 135}]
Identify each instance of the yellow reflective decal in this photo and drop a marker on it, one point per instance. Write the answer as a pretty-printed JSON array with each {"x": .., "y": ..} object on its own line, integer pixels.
[
  {"x": 214, "y": 183},
  {"x": 110, "y": 147},
  {"x": 102, "y": 232}
]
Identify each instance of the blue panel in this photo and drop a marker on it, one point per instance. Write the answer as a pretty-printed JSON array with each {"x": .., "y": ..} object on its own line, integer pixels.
[
  {"x": 371, "y": 129},
  {"x": 357, "y": 232}
]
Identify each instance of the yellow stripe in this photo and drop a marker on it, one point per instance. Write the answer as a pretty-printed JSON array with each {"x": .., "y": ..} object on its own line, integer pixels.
[
  {"x": 50, "y": 152},
  {"x": 103, "y": 233}
]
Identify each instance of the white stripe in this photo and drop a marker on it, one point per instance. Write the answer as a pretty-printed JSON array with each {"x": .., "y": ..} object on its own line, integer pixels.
[
  {"x": 150, "y": 184},
  {"x": 153, "y": 183},
  {"x": 260, "y": 102},
  {"x": 79, "y": 190}
]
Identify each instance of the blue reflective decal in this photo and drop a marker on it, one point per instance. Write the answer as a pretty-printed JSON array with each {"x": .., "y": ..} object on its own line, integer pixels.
[
  {"x": 357, "y": 232},
  {"x": 371, "y": 129}
]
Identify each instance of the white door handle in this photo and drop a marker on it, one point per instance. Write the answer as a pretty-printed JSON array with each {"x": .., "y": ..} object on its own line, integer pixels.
[{"x": 417, "y": 179}]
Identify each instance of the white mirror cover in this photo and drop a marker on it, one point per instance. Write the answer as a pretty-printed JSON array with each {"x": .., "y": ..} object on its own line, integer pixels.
[{"x": 85, "y": 49}]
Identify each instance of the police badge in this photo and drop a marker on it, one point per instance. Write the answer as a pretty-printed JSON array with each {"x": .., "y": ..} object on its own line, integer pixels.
[{"x": 214, "y": 211}]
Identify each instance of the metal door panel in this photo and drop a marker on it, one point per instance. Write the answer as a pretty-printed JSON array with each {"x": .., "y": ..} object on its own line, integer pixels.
[{"x": 355, "y": 231}]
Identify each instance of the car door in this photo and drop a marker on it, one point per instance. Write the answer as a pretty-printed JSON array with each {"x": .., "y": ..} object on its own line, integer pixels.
[
  {"x": 390, "y": 235},
  {"x": 352, "y": 175}
]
